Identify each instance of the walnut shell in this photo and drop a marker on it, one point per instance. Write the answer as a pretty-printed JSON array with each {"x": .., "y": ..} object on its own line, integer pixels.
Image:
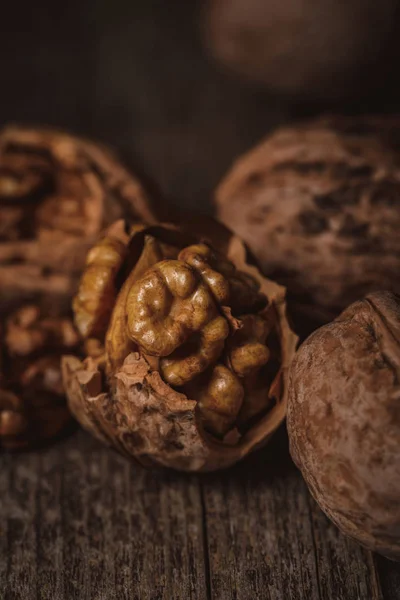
[
  {"x": 318, "y": 205},
  {"x": 137, "y": 413},
  {"x": 309, "y": 49},
  {"x": 344, "y": 420},
  {"x": 57, "y": 192}
]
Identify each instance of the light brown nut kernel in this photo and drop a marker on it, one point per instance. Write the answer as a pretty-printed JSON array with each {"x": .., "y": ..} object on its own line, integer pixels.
[
  {"x": 200, "y": 257},
  {"x": 250, "y": 358},
  {"x": 165, "y": 309},
  {"x": 95, "y": 299},
  {"x": 168, "y": 394},
  {"x": 197, "y": 354},
  {"x": 117, "y": 341},
  {"x": 219, "y": 400},
  {"x": 229, "y": 286},
  {"x": 247, "y": 352}
]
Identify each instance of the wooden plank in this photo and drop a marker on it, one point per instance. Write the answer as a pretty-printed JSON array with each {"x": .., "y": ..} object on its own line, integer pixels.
[
  {"x": 389, "y": 573},
  {"x": 267, "y": 538},
  {"x": 4, "y": 485},
  {"x": 345, "y": 570},
  {"x": 79, "y": 521},
  {"x": 47, "y": 516},
  {"x": 259, "y": 533},
  {"x": 19, "y": 482}
]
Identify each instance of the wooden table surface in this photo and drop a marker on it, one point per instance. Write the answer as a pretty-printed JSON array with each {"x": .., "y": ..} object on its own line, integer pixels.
[{"x": 77, "y": 520}]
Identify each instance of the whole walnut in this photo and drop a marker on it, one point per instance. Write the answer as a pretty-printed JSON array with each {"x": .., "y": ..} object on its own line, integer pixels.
[
  {"x": 318, "y": 203},
  {"x": 344, "y": 420},
  {"x": 308, "y": 49},
  {"x": 57, "y": 193},
  {"x": 188, "y": 349}
]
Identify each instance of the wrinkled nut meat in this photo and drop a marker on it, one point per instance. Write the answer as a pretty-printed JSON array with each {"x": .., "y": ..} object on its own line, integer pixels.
[
  {"x": 318, "y": 205},
  {"x": 195, "y": 351},
  {"x": 97, "y": 294},
  {"x": 171, "y": 313},
  {"x": 344, "y": 420},
  {"x": 57, "y": 193}
]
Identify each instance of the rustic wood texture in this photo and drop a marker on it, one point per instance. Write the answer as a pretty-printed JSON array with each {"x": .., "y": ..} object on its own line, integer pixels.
[{"x": 77, "y": 521}]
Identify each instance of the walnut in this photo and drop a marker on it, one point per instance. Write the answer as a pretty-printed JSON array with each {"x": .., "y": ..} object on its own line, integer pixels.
[
  {"x": 32, "y": 403},
  {"x": 344, "y": 420},
  {"x": 13, "y": 421},
  {"x": 307, "y": 49},
  {"x": 196, "y": 351},
  {"x": 94, "y": 302},
  {"x": 318, "y": 205},
  {"x": 57, "y": 193}
]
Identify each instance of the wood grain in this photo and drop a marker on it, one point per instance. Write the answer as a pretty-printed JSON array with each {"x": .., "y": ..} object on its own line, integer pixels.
[
  {"x": 79, "y": 521},
  {"x": 282, "y": 544},
  {"x": 259, "y": 535},
  {"x": 345, "y": 570}
]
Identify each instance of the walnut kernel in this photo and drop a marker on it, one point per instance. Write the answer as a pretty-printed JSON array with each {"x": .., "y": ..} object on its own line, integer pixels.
[{"x": 186, "y": 345}]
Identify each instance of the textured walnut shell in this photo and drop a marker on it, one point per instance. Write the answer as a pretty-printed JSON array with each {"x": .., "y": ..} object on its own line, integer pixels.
[
  {"x": 146, "y": 419},
  {"x": 57, "y": 192},
  {"x": 344, "y": 420},
  {"x": 318, "y": 205},
  {"x": 309, "y": 49}
]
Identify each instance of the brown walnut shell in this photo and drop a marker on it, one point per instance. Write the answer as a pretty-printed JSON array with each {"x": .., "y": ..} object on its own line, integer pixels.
[
  {"x": 318, "y": 204},
  {"x": 344, "y": 420},
  {"x": 57, "y": 192},
  {"x": 137, "y": 413},
  {"x": 307, "y": 49}
]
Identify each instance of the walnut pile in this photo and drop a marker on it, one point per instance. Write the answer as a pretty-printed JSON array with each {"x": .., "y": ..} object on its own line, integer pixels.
[
  {"x": 196, "y": 347},
  {"x": 344, "y": 420},
  {"x": 57, "y": 193},
  {"x": 318, "y": 205}
]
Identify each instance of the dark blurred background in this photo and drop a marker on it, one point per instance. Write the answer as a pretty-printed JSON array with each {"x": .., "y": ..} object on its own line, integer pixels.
[{"x": 136, "y": 75}]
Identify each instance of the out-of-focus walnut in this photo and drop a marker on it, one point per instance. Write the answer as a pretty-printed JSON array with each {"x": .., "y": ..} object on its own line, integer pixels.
[
  {"x": 318, "y": 205},
  {"x": 307, "y": 49},
  {"x": 27, "y": 333},
  {"x": 186, "y": 345},
  {"x": 57, "y": 193},
  {"x": 13, "y": 420},
  {"x": 344, "y": 420},
  {"x": 97, "y": 290},
  {"x": 32, "y": 401}
]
